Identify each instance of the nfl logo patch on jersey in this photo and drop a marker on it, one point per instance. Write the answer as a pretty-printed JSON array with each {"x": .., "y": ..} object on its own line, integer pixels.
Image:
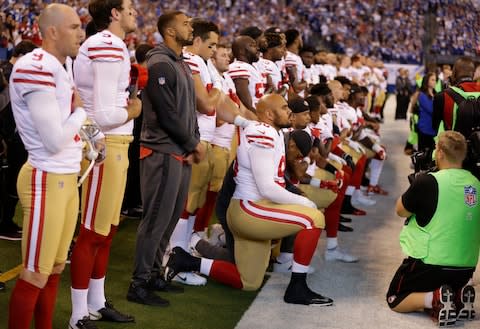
[
  {"x": 161, "y": 81},
  {"x": 470, "y": 195}
]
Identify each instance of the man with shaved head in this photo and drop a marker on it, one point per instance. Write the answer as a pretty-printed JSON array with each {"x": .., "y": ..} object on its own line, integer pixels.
[
  {"x": 49, "y": 114},
  {"x": 262, "y": 210},
  {"x": 248, "y": 80}
]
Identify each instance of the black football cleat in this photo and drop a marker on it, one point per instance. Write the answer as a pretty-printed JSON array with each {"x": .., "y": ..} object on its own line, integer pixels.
[
  {"x": 84, "y": 323},
  {"x": 158, "y": 283},
  {"x": 140, "y": 293},
  {"x": 345, "y": 219},
  {"x": 298, "y": 293},
  {"x": 180, "y": 261},
  {"x": 111, "y": 314},
  {"x": 344, "y": 228}
]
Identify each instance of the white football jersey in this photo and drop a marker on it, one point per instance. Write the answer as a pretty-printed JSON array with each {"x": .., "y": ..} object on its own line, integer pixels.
[
  {"x": 206, "y": 123},
  {"x": 256, "y": 83},
  {"x": 269, "y": 68},
  {"x": 264, "y": 136},
  {"x": 338, "y": 118},
  {"x": 40, "y": 71},
  {"x": 312, "y": 75},
  {"x": 104, "y": 48},
  {"x": 329, "y": 71},
  {"x": 348, "y": 112},
  {"x": 293, "y": 60},
  {"x": 224, "y": 133}
]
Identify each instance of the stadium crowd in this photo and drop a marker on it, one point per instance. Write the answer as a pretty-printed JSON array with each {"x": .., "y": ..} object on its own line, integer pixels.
[
  {"x": 280, "y": 140},
  {"x": 388, "y": 30}
]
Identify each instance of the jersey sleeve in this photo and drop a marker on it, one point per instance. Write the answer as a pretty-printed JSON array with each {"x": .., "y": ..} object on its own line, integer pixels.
[
  {"x": 261, "y": 135},
  {"x": 33, "y": 74},
  {"x": 238, "y": 72},
  {"x": 193, "y": 63},
  {"x": 104, "y": 48}
]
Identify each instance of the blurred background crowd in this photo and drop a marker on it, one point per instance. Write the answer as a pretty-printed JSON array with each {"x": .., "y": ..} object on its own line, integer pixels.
[{"x": 390, "y": 30}]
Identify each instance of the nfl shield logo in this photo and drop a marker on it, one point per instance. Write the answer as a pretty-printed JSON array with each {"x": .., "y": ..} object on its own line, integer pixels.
[
  {"x": 161, "y": 81},
  {"x": 470, "y": 195}
]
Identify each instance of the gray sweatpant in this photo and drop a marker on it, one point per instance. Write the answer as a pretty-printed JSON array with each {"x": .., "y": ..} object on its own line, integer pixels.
[{"x": 164, "y": 186}]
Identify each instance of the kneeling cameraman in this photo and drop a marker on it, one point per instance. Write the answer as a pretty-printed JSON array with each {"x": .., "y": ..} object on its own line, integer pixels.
[{"x": 441, "y": 238}]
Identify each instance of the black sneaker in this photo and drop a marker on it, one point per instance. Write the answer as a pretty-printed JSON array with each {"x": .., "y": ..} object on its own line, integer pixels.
[
  {"x": 344, "y": 228},
  {"x": 84, "y": 323},
  {"x": 158, "y": 283},
  {"x": 464, "y": 303},
  {"x": 180, "y": 261},
  {"x": 298, "y": 293},
  {"x": 132, "y": 212},
  {"x": 443, "y": 309},
  {"x": 111, "y": 314},
  {"x": 345, "y": 219},
  {"x": 141, "y": 294},
  {"x": 10, "y": 233}
]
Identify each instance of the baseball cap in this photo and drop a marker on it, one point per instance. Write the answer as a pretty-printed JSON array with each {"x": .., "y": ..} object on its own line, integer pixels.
[
  {"x": 302, "y": 140},
  {"x": 298, "y": 105}
]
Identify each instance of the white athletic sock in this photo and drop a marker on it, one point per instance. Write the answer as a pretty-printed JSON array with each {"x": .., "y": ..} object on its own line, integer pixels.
[
  {"x": 179, "y": 235},
  {"x": 376, "y": 167},
  {"x": 299, "y": 268},
  {"x": 350, "y": 190},
  {"x": 96, "y": 294},
  {"x": 428, "y": 299},
  {"x": 332, "y": 243},
  {"x": 194, "y": 239},
  {"x": 79, "y": 305},
  {"x": 285, "y": 257},
  {"x": 206, "y": 266}
]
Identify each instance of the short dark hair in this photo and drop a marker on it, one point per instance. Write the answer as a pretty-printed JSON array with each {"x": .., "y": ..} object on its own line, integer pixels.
[
  {"x": 273, "y": 40},
  {"x": 343, "y": 80},
  {"x": 308, "y": 49},
  {"x": 320, "y": 89},
  {"x": 313, "y": 103},
  {"x": 141, "y": 52},
  {"x": 24, "y": 47},
  {"x": 291, "y": 35},
  {"x": 202, "y": 28},
  {"x": 166, "y": 19},
  {"x": 101, "y": 12},
  {"x": 251, "y": 31}
]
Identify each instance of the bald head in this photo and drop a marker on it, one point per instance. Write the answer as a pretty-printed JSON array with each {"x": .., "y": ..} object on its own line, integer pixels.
[
  {"x": 268, "y": 102},
  {"x": 273, "y": 109},
  {"x": 240, "y": 44},
  {"x": 54, "y": 15},
  {"x": 464, "y": 67}
]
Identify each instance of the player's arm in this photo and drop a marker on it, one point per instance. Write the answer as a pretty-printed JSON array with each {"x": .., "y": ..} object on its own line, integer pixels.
[
  {"x": 241, "y": 85},
  {"x": 46, "y": 115},
  {"x": 298, "y": 86},
  {"x": 262, "y": 164},
  {"x": 105, "y": 87},
  {"x": 163, "y": 99},
  {"x": 206, "y": 101}
]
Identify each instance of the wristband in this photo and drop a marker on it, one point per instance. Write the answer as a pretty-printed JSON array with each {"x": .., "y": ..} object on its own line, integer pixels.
[
  {"x": 315, "y": 182},
  {"x": 330, "y": 168},
  {"x": 241, "y": 121}
]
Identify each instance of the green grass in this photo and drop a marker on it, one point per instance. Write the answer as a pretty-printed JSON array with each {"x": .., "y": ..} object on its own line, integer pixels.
[{"x": 212, "y": 306}]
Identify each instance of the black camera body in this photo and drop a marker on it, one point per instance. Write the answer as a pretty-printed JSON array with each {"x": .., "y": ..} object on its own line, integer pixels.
[{"x": 422, "y": 164}]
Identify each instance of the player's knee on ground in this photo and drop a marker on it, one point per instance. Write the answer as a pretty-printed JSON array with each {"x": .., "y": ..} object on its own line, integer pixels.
[{"x": 251, "y": 258}]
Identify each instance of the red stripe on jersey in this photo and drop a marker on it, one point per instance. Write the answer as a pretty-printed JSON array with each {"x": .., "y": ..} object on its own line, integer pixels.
[
  {"x": 35, "y": 82},
  {"x": 261, "y": 143},
  {"x": 105, "y": 48},
  {"x": 273, "y": 219},
  {"x": 191, "y": 63},
  {"x": 260, "y": 136},
  {"x": 286, "y": 212},
  {"x": 42, "y": 220},
  {"x": 30, "y": 223},
  {"x": 48, "y": 74},
  {"x": 106, "y": 56},
  {"x": 233, "y": 71},
  {"x": 195, "y": 72},
  {"x": 240, "y": 77}
]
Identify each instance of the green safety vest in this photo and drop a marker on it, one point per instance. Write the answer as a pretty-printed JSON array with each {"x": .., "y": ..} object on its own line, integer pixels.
[{"x": 452, "y": 237}]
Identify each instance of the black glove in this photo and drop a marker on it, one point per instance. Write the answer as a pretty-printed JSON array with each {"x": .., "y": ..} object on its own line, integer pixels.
[{"x": 348, "y": 158}]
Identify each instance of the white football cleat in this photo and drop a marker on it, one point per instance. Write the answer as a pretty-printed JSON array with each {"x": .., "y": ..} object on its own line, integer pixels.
[
  {"x": 190, "y": 279},
  {"x": 338, "y": 254}
]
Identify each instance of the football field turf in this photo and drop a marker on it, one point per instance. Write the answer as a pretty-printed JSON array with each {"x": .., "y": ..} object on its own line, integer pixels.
[{"x": 212, "y": 306}]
